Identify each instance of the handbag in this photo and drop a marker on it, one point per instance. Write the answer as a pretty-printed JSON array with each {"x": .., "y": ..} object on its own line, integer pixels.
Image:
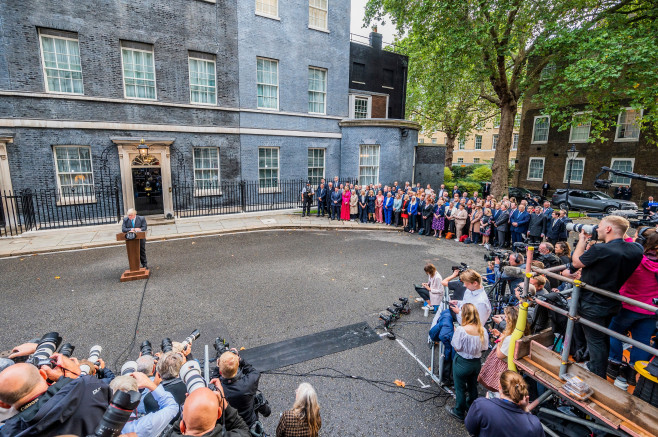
[{"x": 491, "y": 370}]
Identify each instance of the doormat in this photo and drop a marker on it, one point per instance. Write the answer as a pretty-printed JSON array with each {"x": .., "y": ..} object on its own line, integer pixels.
[{"x": 297, "y": 350}]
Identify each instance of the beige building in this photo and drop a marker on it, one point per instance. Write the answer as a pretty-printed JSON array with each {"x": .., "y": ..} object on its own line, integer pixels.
[{"x": 478, "y": 147}]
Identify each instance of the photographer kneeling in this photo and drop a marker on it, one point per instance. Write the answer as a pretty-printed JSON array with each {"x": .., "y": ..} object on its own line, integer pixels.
[
  {"x": 151, "y": 424},
  {"x": 605, "y": 266},
  {"x": 239, "y": 380}
]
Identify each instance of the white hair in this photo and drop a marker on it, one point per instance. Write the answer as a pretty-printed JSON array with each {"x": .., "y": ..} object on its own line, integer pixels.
[
  {"x": 131, "y": 211},
  {"x": 124, "y": 383},
  {"x": 145, "y": 364}
]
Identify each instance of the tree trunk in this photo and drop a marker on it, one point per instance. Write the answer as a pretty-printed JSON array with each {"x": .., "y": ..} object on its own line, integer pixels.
[
  {"x": 500, "y": 172},
  {"x": 450, "y": 147}
]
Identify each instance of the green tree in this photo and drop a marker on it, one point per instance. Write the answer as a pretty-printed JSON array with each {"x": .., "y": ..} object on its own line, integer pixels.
[
  {"x": 447, "y": 175},
  {"x": 451, "y": 105},
  {"x": 497, "y": 37},
  {"x": 481, "y": 174}
]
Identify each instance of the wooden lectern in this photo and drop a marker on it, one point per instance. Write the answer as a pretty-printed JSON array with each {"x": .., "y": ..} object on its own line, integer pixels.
[{"x": 132, "y": 247}]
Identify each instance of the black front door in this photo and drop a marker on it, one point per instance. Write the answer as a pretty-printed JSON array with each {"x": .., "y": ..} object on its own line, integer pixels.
[{"x": 147, "y": 187}]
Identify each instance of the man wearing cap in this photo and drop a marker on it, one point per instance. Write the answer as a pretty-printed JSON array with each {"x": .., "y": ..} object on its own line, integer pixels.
[{"x": 307, "y": 199}]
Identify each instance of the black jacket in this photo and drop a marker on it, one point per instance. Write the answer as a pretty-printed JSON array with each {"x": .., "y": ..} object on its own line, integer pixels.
[
  {"x": 140, "y": 223},
  {"x": 68, "y": 407},
  {"x": 235, "y": 426},
  {"x": 174, "y": 386},
  {"x": 502, "y": 222},
  {"x": 536, "y": 225},
  {"x": 241, "y": 389},
  {"x": 554, "y": 229}
]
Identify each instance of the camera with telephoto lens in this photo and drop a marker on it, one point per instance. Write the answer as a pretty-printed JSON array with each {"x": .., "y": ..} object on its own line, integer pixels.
[
  {"x": 67, "y": 350},
  {"x": 128, "y": 368},
  {"x": 190, "y": 373},
  {"x": 117, "y": 414},
  {"x": 589, "y": 229},
  {"x": 94, "y": 356},
  {"x": 166, "y": 345},
  {"x": 221, "y": 346},
  {"x": 146, "y": 348},
  {"x": 261, "y": 406},
  {"x": 502, "y": 255},
  {"x": 46, "y": 347},
  {"x": 462, "y": 267},
  {"x": 190, "y": 338}
]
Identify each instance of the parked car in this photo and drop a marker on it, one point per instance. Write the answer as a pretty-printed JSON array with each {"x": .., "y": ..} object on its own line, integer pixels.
[
  {"x": 520, "y": 193},
  {"x": 590, "y": 201}
]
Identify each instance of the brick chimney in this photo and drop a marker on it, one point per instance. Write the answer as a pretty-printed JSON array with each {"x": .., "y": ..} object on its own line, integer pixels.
[{"x": 375, "y": 39}]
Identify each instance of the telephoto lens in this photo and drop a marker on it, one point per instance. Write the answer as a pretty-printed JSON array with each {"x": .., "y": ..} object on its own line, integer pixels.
[
  {"x": 190, "y": 373},
  {"x": 146, "y": 348},
  {"x": 94, "y": 356},
  {"x": 46, "y": 347},
  {"x": 190, "y": 338},
  {"x": 67, "y": 349},
  {"x": 128, "y": 368},
  {"x": 117, "y": 413},
  {"x": 221, "y": 346},
  {"x": 166, "y": 345}
]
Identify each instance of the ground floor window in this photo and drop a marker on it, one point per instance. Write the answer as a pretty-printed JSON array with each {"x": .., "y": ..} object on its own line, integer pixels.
[
  {"x": 268, "y": 168},
  {"x": 315, "y": 166},
  {"x": 536, "y": 169},
  {"x": 621, "y": 164},
  {"x": 577, "y": 170},
  {"x": 369, "y": 164},
  {"x": 74, "y": 171},
  {"x": 206, "y": 170}
]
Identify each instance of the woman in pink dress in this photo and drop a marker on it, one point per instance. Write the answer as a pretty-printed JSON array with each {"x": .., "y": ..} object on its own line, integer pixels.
[
  {"x": 345, "y": 207},
  {"x": 379, "y": 208}
]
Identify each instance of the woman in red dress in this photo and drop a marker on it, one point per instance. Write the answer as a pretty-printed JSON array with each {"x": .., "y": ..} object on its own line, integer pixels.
[
  {"x": 379, "y": 208},
  {"x": 345, "y": 207},
  {"x": 405, "y": 211}
]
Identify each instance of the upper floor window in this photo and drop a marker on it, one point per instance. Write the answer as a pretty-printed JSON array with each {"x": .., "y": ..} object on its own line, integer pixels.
[
  {"x": 268, "y": 8},
  {"x": 515, "y": 141},
  {"x": 548, "y": 71},
  {"x": 268, "y": 83},
  {"x": 479, "y": 125},
  {"x": 203, "y": 87},
  {"x": 462, "y": 143},
  {"x": 75, "y": 178},
  {"x": 358, "y": 73},
  {"x": 494, "y": 142},
  {"x": 517, "y": 121},
  {"x": 138, "y": 71},
  {"x": 317, "y": 90},
  {"x": 360, "y": 106},
  {"x": 627, "y": 127},
  {"x": 61, "y": 64},
  {"x": 433, "y": 140},
  {"x": 421, "y": 140},
  {"x": 621, "y": 164},
  {"x": 580, "y": 132},
  {"x": 317, "y": 14},
  {"x": 478, "y": 142},
  {"x": 496, "y": 123},
  {"x": 540, "y": 129}
]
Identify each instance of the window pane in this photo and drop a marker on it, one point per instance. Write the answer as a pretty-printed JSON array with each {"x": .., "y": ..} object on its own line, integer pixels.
[
  {"x": 369, "y": 164},
  {"x": 317, "y": 14},
  {"x": 317, "y": 89},
  {"x": 268, "y": 167},
  {"x": 61, "y": 59},
  {"x": 206, "y": 168},
  {"x": 536, "y": 169},
  {"x": 267, "y": 83},
  {"x": 628, "y": 127},
  {"x": 478, "y": 142},
  {"x": 315, "y": 165},
  {"x": 267, "y": 7},
  {"x": 74, "y": 170},
  {"x": 202, "y": 81},
  {"x": 577, "y": 169},
  {"x": 360, "y": 107},
  {"x": 138, "y": 74},
  {"x": 580, "y": 132},
  {"x": 541, "y": 129},
  {"x": 621, "y": 165}
]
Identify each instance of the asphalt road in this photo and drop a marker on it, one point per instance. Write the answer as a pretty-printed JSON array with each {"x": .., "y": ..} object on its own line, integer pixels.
[{"x": 255, "y": 289}]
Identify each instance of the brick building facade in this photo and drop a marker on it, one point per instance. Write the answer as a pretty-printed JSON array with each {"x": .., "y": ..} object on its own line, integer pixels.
[{"x": 218, "y": 93}]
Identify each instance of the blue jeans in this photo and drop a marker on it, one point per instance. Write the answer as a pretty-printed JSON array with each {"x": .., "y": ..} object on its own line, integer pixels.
[
  {"x": 642, "y": 327},
  {"x": 387, "y": 216}
]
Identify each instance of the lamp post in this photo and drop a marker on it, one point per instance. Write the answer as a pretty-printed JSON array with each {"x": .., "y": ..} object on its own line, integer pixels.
[
  {"x": 572, "y": 154},
  {"x": 143, "y": 148}
]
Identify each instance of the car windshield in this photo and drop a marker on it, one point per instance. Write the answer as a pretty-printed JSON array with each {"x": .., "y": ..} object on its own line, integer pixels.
[{"x": 601, "y": 194}]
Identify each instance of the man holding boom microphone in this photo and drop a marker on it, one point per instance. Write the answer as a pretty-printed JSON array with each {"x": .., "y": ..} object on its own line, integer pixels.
[{"x": 605, "y": 266}]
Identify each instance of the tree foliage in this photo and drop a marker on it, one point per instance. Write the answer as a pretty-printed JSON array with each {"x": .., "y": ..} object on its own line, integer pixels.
[
  {"x": 481, "y": 174},
  {"x": 495, "y": 39}
]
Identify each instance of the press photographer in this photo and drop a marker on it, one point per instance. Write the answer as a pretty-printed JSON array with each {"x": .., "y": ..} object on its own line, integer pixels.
[
  {"x": 605, "y": 265},
  {"x": 168, "y": 369},
  {"x": 513, "y": 273}
]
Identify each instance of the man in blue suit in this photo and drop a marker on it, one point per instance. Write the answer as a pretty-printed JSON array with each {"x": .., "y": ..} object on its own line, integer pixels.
[
  {"x": 519, "y": 220},
  {"x": 548, "y": 211},
  {"x": 336, "y": 200},
  {"x": 136, "y": 223},
  {"x": 321, "y": 194},
  {"x": 554, "y": 228}
]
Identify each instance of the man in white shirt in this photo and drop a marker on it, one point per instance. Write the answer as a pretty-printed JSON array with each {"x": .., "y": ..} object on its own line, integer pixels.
[{"x": 473, "y": 294}]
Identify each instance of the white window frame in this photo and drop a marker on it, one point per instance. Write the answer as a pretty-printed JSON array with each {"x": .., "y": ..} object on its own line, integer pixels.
[
  {"x": 627, "y": 140},
  {"x": 534, "y": 125},
  {"x": 353, "y": 98},
  {"x": 461, "y": 145},
  {"x": 588, "y": 125},
  {"x": 63, "y": 199},
  {"x": 612, "y": 163},
  {"x": 326, "y": 84},
  {"x": 460, "y": 160},
  {"x": 543, "y": 167},
  {"x": 378, "y": 148},
  {"x": 494, "y": 141},
  {"x": 476, "y": 160},
  {"x": 267, "y": 84},
  {"x": 266, "y": 15},
  {"x": 515, "y": 141},
  {"x": 434, "y": 140},
  {"x": 548, "y": 71},
  {"x": 155, "y": 76},
  {"x": 43, "y": 65},
  {"x": 566, "y": 172},
  {"x": 421, "y": 140},
  {"x": 200, "y": 192},
  {"x": 326, "y": 11},
  {"x": 276, "y": 188},
  {"x": 324, "y": 163},
  {"x": 214, "y": 63},
  {"x": 476, "y": 142}
]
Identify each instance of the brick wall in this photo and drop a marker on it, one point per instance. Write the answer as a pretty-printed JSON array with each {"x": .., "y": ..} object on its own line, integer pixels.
[{"x": 378, "y": 107}]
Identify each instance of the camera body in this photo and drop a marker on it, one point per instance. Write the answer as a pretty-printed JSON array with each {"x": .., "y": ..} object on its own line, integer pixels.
[
  {"x": 462, "y": 267},
  {"x": 221, "y": 346},
  {"x": 117, "y": 413},
  {"x": 46, "y": 347},
  {"x": 502, "y": 255}
]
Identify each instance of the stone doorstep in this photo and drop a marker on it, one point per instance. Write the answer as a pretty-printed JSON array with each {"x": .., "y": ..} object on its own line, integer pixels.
[{"x": 261, "y": 227}]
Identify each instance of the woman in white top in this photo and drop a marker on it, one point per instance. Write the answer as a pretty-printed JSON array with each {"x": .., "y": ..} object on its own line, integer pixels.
[
  {"x": 468, "y": 341},
  {"x": 431, "y": 291}
]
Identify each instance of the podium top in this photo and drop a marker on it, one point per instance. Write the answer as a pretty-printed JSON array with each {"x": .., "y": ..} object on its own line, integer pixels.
[{"x": 121, "y": 236}]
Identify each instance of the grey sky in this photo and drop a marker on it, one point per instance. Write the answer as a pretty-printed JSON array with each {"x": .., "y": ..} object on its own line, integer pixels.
[{"x": 358, "y": 12}]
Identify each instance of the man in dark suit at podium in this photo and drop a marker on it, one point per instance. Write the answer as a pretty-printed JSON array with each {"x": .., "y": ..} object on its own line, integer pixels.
[{"x": 135, "y": 223}]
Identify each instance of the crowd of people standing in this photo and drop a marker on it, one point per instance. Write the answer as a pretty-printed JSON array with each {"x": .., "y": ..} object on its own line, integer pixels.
[{"x": 442, "y": 213}]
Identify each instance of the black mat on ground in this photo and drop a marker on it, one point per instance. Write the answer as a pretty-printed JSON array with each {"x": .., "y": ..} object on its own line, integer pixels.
[{"x": 300, "y": 349}]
